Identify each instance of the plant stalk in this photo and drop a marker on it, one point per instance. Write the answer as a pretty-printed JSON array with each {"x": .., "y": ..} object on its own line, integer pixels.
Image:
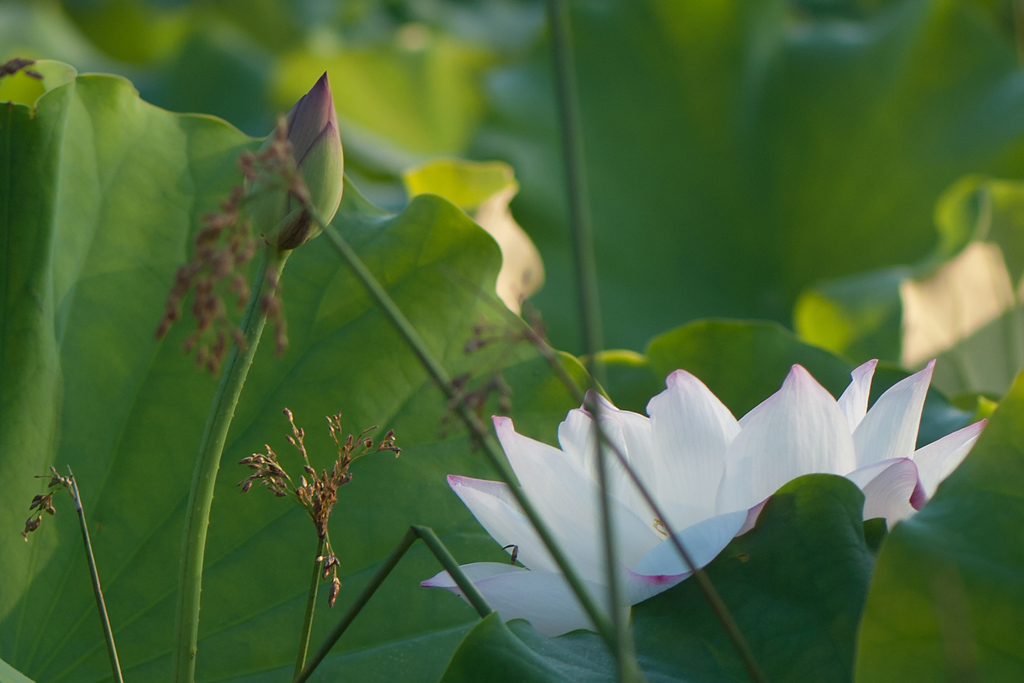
[
  {"x": 440, "y": 551},
  {"x": 204, "y": 478},
  {"x": 447, "y": 560},
  {"x": 586, "y": 272},
  {"x": 494, "y": 454},
  {"x": 307, "y": 622},
  {"x": 579, "y": 215},
  {"x": 101, "y": 605}
]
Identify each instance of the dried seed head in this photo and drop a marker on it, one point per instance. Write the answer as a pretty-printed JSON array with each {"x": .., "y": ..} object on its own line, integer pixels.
[
  {"x": 267, "y": 471},
  {"x": 31, "y": 524},
  {"x": 319, "y": 493},
  {"x": 223, "y": 246},
  {"x": 330, "y": 564},
  {"x": 43, "y": 502},
  {"x": 335, "y": 589}
]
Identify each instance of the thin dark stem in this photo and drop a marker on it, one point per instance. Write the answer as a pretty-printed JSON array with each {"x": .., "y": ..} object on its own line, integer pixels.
[
  {"x": 101, "y": 605},
  {"x": 586, "y": 273},
  {"x": 440, "y": 551},
  {"x": 307, "y": 622},
  {"x": 579, "y": 214},
  {"x": 476, "y": 428}
]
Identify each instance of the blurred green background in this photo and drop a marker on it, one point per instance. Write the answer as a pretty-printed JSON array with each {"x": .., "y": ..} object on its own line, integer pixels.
[
  {"x": 742, "y": 154},
  {"x": 853, "y": 170}
]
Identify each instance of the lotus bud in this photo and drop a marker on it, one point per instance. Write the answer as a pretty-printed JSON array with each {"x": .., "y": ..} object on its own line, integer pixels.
[{"x": 279, "y": 212}]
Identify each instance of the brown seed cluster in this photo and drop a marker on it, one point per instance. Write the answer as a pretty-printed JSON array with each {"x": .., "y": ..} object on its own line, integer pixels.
[
  {"x": 223, "y": 247},
  {"x": 478, "y": 395},
  {"x": 267, "y": 472},
  {"x": 506, "y": 336},
  {"x": 13, "y": 66},
  {"x": 43, "y": 502},
  {"x": 319, "y": 493},
  {"x": 276, "y": 161}
]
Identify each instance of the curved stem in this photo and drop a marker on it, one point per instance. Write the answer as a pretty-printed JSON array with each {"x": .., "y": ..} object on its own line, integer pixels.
[
  {"x": 307, "y": 621},
  {"x": 204, "y": 478}
]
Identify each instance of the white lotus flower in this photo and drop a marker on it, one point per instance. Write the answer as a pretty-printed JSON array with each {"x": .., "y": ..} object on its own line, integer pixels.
[{"x": 709, "y": 473}]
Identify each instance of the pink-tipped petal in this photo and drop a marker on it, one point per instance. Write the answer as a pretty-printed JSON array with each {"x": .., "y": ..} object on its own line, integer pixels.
[
  {"x": 889, "y": 430},
  {"x": 892, "y": 489},
  {"x": 798, "y": 430},
  {"x": 663, "y": 567},
  {"x": 544, "y": 598},
  {"x": 937, "y": 460},
  {"x": 492, "y": 504},
  {"x": 568, "y": 499},
  {"x": 752, "y": 515},
  {"x": 691, "y": 430},
  {"x": 854, "y": 401}
]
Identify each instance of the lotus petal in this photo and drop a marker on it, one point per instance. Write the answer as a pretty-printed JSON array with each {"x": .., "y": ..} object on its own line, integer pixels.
[
  {"x": 691, "y": 430},
  {"x": 544, "y": 598},
  {"x": 937, "y": 460},
  {"x": 854, "y": 401},
  {"x": 889, "y": 430},
  {"x": 798, "y": 430}
]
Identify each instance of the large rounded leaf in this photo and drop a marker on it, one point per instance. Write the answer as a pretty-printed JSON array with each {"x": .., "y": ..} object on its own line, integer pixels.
[
  {"x": 85, "y": 273},
  {"x": 947, "y": 598}
]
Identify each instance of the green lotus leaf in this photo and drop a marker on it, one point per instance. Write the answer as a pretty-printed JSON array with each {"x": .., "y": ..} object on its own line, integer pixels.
[
  {"x": 8, "y": 674},
  {"x": 947, "y": 598},
  {"x": 102, "y": 195}
]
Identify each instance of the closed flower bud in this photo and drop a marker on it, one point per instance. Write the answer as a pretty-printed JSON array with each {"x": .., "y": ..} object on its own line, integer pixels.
[{"x": 277, "y": 209}]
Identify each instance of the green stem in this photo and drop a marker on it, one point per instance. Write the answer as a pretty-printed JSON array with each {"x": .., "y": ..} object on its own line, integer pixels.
[
  {"x": 357, "y": 606},
  {"x": 307, "y": 622},
  {"x": 579, "y": 215},
  {"x": 101, "y": 605},
  {"x": 437, "y": 547},
  {"x": 586, "y": 273},
  {"x": 204, "y": 477},
  {"x": 447, "y": 560},
  {"x": 481, "y": 435}
]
